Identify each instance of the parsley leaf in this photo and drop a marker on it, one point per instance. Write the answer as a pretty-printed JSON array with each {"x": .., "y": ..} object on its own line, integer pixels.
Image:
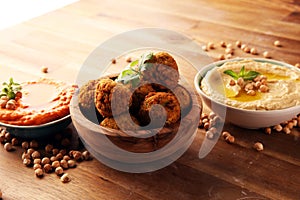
[{"x": 246, "y": 75}]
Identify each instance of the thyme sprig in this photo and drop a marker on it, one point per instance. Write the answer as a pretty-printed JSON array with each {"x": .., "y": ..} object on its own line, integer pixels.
[{"x": 10, "y": 89}]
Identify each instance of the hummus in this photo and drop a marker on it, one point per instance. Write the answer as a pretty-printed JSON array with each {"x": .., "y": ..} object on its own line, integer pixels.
[
  {"x": 283, "y": 84},
  {"x": 42, "y": 101}
]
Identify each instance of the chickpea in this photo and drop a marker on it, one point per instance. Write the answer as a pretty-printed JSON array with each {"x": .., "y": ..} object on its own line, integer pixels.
[
  {"x": 25, "y": 155},
  {"x": 266, "y": 54},
  {"x": 65, "y": 178},
  {"x": 59, "y": 171},
  {"x": 64, "y": 164},
  {"x": 63, "y": 151},
  {"x": 225, "y": 134},
  {"x": 37, "y": 166},
  {"x": 204, "y": 115},
  {"x": 246, "y": 49},
  {"x": 55, "y": 152},
  {"x": 268, "y": 130},
  {"x": 230, "y": 139},
  {"x": 232, "y": 82},
  {"x": 77, "y": 155},
  {"x": 264, "y": 88},
  {"x": 39, "y": 172},
  {"x": 206, "y": 125},
  {"x": 258, "y": 146},
  {"x": 240, "y": 82},
  {"x": 221, "y": 57},
  {"x": 47, "y": 168},
  {"x": 113, "y": 61},
  {"x": 8, "y": 146},
  {"x": 45, "y": 161},
  {"x": 290, "y": 125},
  {"x": 11, "y": 104},
  {"x": 53, "y": 158},
  {"x": 295, "y": 122},
  {"x": 66, "y": 158},
  {"x": 229, "y": 50},
  {"x": 3, "y": 103},
  {"x": 210, "y": 45},
  {"x": 86, "y": 155},
  {"x": 204, "y": 48},
  {"x": 27, "y": 162},
  {"x": 71, "y": 163},
  {"x": 37, "y": 161},
  {"x": 229, "y": 46},
  {"x": 223, "y": 44},
  {"x": 25, "y": 145},
  {"x": 48, "y": 148},
  {"x": 35, "y": 155},
  {"x": 248, "y": 87},
  {"x": 44, "y": 69},
  {"x": 253, "y": 51},
  {"x": 14, "y": 141},
  {"x": 277, "y": 43},
  {"x": 257, "y": 84},
  {"x": 297, "y": 65},
  {"x": 209, "y": 135},
  {"x": 243, "y": 46},
  {"x": 238, "y": 43},
  {"x": 286, "y": 130},
  {"x": 251, "y": 93},
  {"x": 55, "y": 164},
  {"x": 228, "y": 56},
  {"x": 278, "y": 128},
  {"x": 7, "y": 136},
  {"x": 59, "y": 156},
  {"x": 34, "y": 144}
]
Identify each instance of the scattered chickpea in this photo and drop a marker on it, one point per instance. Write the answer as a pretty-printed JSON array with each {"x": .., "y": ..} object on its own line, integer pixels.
[
  {"x": 278, "y": 128},
  {"x": 48, "y": 148},
  {"x": 71, "y": 163},
  {"x": 277, "y": 43},
  {"x": 204, "y": 48},
  {"x": 8, "y": 146},
  {"x": 228, "y": 56},
  {"x": 35, "y": 155},
  {"x": 27, "y": 162},
  {"x": 211, "y": 115},
  {"x": 229, "y": 46},
  {"x": 65, "y": 178},
  {"x": 14, "y": 141},
  {"x": 37, "y": 161},
  {"x": 66, "y": 157},
  {"x": 37, "y": 166},
  {"x": 7, "y": 136},
  {"x": 39, "y": 172},
  {"x": 225, "y": 134},
  {"x": 59, "y": 171},
  {"x": 210, "y": 45},
  {"x": 77, "y": 155},
  {"x": 223, "y": 44},
  {"x": 238, "y": 43},
  {"x": 34, "y": 144},
  {"x": 230, "y": 139},
  {"x": 297, "y": 65},
  {"x": 253, "y": 51},
  {"x": 290, "y": 125},
  {"x": 221, "y": 57},
  {"x": 55, "y": 164},
  {"x": 25, "y": 155},
  {"x": 113, "y": 61},
  {"x": 266, "y": 54},
  {"x": 47, "y": 168},
  {"x": 243, "y": 46},
  {"x": 53, "y": 158},
  {"x": 128, "y": 59},
  {"x": 206, "y": 125},
  {"x": 246, "y": 49},
  {"x": 25, "y": 145},
  {"x": 286, "y": 130},
  {"x": 63, "y": 151},
  {"x": 59, "y": 156},
  {"x": 44, "y": 69},
  {"x": 86, "y": 155},
  {"x": 258, "y": 146},
  {"x": 295, "y": 122},
  {"x": 229, "y": 50},
  {"x": 268, "y": 130},
  {"x": 45, "y": 161},
  {"x": 55, "y": 152},
  {"x": 64, "y": 164}
]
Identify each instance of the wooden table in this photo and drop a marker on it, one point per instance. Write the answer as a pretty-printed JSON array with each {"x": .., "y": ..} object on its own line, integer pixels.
[{"x": 61, "y": 40}]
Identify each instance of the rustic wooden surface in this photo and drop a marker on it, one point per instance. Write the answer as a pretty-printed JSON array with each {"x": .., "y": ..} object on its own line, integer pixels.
[{"x": 61, "y": 40}]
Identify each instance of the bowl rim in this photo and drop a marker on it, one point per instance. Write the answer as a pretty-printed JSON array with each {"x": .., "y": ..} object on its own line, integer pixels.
[
  {"x": 202, "y": 73},
  {"x": 45, "y": 125}
]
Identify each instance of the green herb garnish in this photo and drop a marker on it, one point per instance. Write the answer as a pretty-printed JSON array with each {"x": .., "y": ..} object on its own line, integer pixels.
[
  {"x": 132, "y": 74},
  {"x": 246, "y": 75},
  {"x": 10, "y": 89}
]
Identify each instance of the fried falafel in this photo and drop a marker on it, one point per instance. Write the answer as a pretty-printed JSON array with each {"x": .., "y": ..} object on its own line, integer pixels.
[
  {"x": 167, "y": 100},
  {"x": 111, "y": 98}
]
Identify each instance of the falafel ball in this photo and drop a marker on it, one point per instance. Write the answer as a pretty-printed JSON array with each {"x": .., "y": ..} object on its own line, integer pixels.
[
  {"x": 164, "y": 71},
  {"x": 111, "y": 95},
  {"x": 139, "y": 95},
  {"x": 167, "y": 100},
  {"x": 126, "y": 122},
  {"x": 86, "y": 95}
]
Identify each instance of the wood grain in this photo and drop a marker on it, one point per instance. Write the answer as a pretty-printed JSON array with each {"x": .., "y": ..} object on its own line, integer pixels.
[{"x": 63, "y": 39}]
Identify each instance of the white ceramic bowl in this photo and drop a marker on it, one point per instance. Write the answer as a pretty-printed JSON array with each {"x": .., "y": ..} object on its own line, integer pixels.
[{"x": 252, "y": 119}]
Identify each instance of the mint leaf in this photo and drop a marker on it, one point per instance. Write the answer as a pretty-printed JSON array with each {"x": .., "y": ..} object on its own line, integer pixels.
[
  {"x": 231, "y": 73},
  {"x": 250, "y": 75}
]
